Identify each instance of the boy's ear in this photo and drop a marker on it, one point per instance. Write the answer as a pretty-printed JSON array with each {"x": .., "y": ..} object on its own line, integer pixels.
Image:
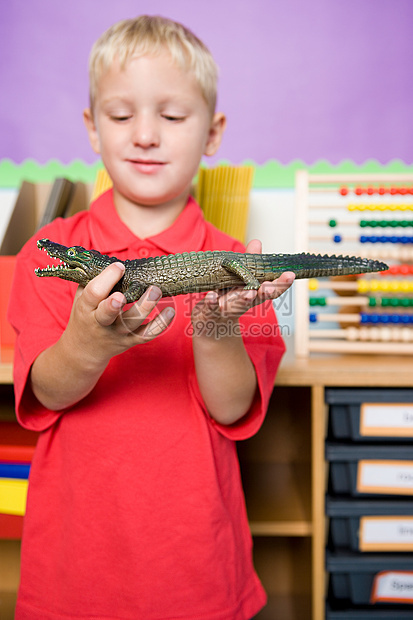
[
  {"x": 216, "y": 131},
  {"x": 91, "y": 130}
]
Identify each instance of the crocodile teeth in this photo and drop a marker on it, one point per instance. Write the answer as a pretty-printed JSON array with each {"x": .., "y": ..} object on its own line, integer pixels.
[
  {"x": 62, "y": 264},
  {"x": 57, "y": 267}
]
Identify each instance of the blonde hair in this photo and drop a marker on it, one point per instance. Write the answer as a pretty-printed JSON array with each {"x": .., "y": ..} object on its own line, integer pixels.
[{"x": 150, "y": 35}]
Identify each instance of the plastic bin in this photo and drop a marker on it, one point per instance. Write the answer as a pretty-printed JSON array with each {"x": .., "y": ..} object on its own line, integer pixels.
[
  {"x": 350, "y": 420},
  {"x": 370, "y": 470},
  {"x": 351, "y": 613},
  {"x": 352, "y": 575},
  {"x": 349, "y": 522}
]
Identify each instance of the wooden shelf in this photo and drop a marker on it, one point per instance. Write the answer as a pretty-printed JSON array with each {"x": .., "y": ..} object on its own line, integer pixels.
[
  {"x": 6, "y": 373},
  {"x": 9, "y": 577},
  {"x": 286, "y": 608},
  {"x": 282, "y": 565},
  {"x": 278, "y": 498},
  {"x": 6, "y": 364},
  {"x": 276, "y": 467},
  {"x": 281, "y": 528},
  {"x": 345, "y": 370},
  {"x": 7, "y": 605}
]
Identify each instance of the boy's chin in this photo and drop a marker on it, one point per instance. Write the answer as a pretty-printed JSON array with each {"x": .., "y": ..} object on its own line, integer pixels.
[{"x": 155, "y": 200}]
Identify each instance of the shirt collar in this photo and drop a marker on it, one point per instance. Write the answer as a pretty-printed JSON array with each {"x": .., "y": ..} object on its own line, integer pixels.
[{"x": 110, "y": 235}]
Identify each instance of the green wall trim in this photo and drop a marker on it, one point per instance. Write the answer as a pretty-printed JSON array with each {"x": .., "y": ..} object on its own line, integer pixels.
[
  {"x": 270, "y": 175},
  {"x": 12, "y": 175},
  {"x": 273, "y": 174}
]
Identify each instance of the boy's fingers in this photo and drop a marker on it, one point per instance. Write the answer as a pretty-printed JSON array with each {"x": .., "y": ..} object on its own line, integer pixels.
[
  {"x": 158, "y": 324},
  {"x": 209, "y": 304},
  {"x": 133, "y": 318},
  {"x": 272, "y": 290},
  {"x": 237, "y": 302},
  {"x": 254, "y": 247},
  {"x": 100, "y": 287},
  {"x": 109, "y": 309}
]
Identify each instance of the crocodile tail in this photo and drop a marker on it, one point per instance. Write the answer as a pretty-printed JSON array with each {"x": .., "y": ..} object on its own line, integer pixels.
[{"x": 307, "y": 265}]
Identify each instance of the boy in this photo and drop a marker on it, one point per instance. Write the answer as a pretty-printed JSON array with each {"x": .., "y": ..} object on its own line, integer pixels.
[{"x": 135, "y": 508}]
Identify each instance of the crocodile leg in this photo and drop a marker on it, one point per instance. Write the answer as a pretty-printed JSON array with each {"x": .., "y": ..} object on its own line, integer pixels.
[
  {"x": 251, "y": 283},
  {"x": 134, "y": 292}
]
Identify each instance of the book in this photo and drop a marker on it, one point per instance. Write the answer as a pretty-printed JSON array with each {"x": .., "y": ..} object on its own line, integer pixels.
[
  {"x": 8, "y": 199},
  {"x": 16, "y": 443},
  {"x": 14, "y": 470},
  {"x": 11, "y": 527},
  {"x": 13, "y": 496},
  {"x": 21, "y": 223},
  {"x": 58, "y": 202},
  {"x": 7, "y": 334}
]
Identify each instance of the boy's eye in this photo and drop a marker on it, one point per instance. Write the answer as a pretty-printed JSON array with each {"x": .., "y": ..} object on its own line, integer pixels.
[
  {"x": 120, "y": 118},
  {"x": 172, "y": 118}
]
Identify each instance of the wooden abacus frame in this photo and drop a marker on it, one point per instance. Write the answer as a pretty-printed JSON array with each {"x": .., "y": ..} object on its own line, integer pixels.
[{"x": 390, "y": 340}]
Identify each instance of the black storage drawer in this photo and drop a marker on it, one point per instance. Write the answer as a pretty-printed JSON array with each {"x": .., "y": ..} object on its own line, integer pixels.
[
  {"x": 352, "y": 575},
  {"x": 373, "y": 613},
  {"x": 347, "y": 518},
  {"x": 370, "y": 470},
  {"x": 346, "y": 421}
]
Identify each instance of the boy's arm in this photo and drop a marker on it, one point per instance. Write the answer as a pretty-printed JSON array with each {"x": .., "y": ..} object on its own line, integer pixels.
[
  {"x": 97, "y": 330},
  {"x": 225, "y": 373}
]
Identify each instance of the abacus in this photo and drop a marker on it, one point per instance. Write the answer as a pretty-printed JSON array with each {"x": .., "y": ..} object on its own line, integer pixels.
[{"x": 368, "y": 215}]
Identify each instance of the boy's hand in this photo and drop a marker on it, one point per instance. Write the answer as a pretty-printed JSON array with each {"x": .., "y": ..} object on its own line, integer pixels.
[
  {"x": 98, "y": 320},
  {"x": 215, "y": 310},
  {"x": 97, "y": 330}
]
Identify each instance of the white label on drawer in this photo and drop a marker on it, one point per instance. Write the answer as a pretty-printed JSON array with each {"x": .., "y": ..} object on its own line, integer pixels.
[
  {"x": 393, "y": 586},
  {"x": 390, "y": 419},
  {"x": 394, "y": 477},
  {"x": 386, "y": 534}
]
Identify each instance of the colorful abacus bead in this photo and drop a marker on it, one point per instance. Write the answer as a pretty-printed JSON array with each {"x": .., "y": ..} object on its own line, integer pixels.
[
  {"x": 404, "y": 239},
  {"x": 395, "y": 319},
  {"x": 382, "y": 190},
  {"x": 385, "y": 223},
  {"x": 399, "y": 270},
  {"x": 318, "y": 301},
  {"x": 383, "y": 286}
]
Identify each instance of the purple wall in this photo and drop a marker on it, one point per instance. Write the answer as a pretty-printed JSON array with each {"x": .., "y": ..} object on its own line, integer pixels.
[{"x": 322, "y": 79}]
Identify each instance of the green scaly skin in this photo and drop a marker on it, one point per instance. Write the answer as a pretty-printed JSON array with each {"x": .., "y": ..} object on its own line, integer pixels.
[{"x": 194, "y": 272}]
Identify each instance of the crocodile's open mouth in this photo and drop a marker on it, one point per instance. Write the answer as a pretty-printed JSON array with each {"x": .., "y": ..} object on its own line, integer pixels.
[{"x": 67, "y": 263}]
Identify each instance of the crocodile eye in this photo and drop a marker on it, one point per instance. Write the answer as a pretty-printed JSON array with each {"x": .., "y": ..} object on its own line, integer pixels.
[{"x": 71, "y": 252}]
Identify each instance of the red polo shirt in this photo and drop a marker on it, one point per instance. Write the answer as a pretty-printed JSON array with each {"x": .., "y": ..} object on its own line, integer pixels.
[{"x": 135, "y": 507}]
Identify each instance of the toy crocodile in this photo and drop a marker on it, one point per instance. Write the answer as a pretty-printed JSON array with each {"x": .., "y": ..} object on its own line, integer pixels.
[{"x": 194, "y": 272}]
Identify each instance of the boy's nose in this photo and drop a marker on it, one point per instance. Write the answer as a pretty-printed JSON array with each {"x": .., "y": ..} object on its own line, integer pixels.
[{"x": 145, "y": 132}]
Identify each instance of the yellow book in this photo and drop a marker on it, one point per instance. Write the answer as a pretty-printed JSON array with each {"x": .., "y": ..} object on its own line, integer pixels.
[
  {"x": 13, "y": 496},
  {"x": 223, "y": 193},
  {"x": 103, "y": 182}
]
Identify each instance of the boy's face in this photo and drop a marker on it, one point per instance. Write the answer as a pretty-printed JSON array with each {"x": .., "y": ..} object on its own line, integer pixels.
[{"x": 151, "y": 126}]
